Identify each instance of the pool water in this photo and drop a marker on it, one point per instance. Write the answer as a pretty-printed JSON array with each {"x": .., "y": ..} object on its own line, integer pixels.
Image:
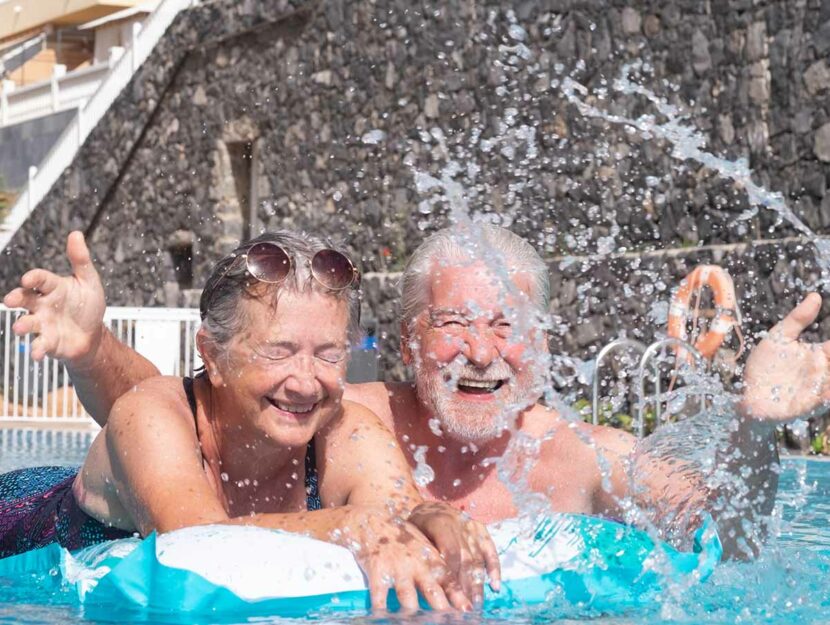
[
  {"x": 788, "y": 583},
  {"x": 30, "y": 448}
]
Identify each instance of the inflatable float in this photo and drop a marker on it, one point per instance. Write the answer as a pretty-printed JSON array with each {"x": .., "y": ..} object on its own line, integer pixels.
[{"x": 213, "y": 570}]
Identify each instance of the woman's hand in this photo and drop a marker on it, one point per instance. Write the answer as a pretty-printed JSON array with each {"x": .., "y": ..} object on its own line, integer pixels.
[
  {"x": 65, "y": 312},
  {"x": 464, "y": 544},
  {"x": 394, "y": 554}
]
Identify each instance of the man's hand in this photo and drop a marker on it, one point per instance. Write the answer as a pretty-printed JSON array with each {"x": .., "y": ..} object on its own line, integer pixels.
[
  {"x": 786, "y": 379},
  {"x": 464, "y": 544},
  {"x": 65, "y": 312}
]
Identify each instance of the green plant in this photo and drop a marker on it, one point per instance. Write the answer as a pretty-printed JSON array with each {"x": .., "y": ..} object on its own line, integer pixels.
[
  {"x": 607, "y": 416},
  {"x": 817, "y": 445}
]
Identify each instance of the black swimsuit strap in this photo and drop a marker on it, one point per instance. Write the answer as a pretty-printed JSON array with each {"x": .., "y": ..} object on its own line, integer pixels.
[
  {"x": 191, "y": 400},
  {"x": 312, "y": 490},
  {"x": 311, "y": 487}
]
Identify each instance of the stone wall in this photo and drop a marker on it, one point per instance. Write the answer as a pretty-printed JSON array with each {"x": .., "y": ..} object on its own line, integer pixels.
[{"x": 316, "y": 115}]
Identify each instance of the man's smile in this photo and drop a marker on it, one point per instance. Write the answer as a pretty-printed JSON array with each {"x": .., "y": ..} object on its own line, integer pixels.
[{"x": 479, "y": 387}]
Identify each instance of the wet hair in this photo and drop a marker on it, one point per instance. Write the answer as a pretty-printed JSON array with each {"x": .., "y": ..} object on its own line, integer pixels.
[
  {"x": 467, "y": 243},
  {"x": 222, "y": 318}
]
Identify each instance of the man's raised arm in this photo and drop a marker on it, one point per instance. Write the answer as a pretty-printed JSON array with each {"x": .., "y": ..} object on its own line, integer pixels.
[
  {"x": 66, "y": 313},
  {"x": 725, "y": 460}
]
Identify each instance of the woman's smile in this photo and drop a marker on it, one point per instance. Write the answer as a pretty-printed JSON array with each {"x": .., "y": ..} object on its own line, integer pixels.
[{"x": 294, "y": 409}]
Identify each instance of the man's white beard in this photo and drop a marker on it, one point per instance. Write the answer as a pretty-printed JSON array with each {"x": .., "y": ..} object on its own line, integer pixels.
[{"x": 474, "y": 421}]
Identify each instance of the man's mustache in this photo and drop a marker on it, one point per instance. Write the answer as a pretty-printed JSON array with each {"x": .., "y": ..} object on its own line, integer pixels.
[{"x": 495, "y": 371}]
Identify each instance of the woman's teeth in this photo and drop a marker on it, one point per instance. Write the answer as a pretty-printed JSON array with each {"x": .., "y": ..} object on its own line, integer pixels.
[{"x": 293, "y": 408}]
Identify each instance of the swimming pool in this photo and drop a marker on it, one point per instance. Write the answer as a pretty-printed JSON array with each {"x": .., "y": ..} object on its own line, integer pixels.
[{"x": 785, "y": 585}]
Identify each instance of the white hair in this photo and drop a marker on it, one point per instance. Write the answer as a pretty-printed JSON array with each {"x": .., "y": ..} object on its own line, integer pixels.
[{"x": 469, "y": 242}]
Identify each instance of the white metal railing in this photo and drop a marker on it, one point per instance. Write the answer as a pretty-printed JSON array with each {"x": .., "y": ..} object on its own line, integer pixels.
[
  {"x": 62, "y": 92},
  {"x": 41, "y": 391},
  {"x": 145, "y": 38}
]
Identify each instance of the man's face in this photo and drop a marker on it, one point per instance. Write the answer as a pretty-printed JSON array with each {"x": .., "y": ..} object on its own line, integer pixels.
[{"x": 479, "y": 350}]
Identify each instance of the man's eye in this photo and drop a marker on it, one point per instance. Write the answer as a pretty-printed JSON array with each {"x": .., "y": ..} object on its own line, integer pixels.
[{"x": 449, "y": 323}]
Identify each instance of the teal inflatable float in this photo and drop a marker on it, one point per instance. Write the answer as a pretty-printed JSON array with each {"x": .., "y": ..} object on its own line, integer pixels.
[{"x": 214, "y": 570}]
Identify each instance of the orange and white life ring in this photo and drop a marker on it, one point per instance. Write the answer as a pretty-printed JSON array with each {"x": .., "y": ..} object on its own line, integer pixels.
[{"x": 726, "y": 316}]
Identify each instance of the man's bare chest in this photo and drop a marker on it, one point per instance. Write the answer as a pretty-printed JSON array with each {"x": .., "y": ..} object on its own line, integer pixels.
[{"x": 494, "y": 500}]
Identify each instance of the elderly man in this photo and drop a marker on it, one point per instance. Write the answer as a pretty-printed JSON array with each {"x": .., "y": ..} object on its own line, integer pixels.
[{"x": 474, "y": 304}]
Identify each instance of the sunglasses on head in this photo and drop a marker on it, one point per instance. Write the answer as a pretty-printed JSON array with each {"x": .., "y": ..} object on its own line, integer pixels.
[{"x": 268, "y": 262}]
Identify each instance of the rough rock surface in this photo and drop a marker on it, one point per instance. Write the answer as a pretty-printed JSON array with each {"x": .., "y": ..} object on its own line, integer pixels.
[{"x": 334, "y": 105}]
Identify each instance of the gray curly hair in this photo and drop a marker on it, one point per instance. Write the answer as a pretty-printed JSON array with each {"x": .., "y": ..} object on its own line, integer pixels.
[{"x": 465, "y": 243}]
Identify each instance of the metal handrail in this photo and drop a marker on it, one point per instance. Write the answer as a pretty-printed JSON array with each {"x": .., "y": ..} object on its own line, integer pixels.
[
  {"x": 650, "y": 352},
  {"x": 647, "y": 353},
  {"x": 613, "y": 345}
]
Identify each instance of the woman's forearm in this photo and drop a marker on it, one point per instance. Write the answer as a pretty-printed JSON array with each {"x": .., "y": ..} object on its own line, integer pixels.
[{"x": 106, "y": 373}]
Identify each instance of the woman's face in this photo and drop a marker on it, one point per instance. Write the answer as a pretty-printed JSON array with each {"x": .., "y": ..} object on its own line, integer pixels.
[{"x": 285, "y": 370}]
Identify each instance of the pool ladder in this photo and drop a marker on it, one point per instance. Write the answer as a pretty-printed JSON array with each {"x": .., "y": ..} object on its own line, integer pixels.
[{"x": 647, "y": 355}]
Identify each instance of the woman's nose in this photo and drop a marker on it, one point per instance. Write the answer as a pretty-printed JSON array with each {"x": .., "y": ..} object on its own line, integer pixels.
[{"x": 302, "y": 379}]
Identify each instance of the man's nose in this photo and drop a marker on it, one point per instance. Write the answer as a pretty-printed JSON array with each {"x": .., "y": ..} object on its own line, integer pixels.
[{"x": 480, "y": 348}]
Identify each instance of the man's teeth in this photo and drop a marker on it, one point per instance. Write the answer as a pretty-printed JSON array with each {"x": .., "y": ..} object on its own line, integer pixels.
[
  {"x": 296, "y": 409},
  {"x": 485, "y": 384}
]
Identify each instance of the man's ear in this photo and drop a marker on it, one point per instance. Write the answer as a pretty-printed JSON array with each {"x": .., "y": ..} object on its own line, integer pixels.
[
  {"x": 207, "y": 351},
  {"x": 406, "y": 349}
]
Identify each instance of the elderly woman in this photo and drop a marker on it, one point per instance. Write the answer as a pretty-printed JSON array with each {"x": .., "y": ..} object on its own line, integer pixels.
[{"x": 262, "y": 437}]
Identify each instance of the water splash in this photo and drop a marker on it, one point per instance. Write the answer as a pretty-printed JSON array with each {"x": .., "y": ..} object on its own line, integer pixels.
[{"x": 688, "y": 143}]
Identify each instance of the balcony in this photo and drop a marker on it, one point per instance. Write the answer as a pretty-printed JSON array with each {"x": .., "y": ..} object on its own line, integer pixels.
[{"x": 19, "y": 16}]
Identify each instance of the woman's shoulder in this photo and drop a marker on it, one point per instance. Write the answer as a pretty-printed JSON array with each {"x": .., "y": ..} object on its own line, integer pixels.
[
  {"x": 155, "y": 400},
  {"x": 156, "y": 388}
]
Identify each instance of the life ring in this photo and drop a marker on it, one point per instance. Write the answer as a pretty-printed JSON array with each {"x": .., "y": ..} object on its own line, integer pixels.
[
  {"x": 561, "y": 560},
  {"x": 726, "y": 316}
]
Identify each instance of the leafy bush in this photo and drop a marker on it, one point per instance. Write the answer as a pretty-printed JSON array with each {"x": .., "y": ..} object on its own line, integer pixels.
[{"x": 618, "y": 420}]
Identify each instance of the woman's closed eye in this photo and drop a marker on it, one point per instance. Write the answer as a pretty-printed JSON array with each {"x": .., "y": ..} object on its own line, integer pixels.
[
  {"x": 332, "y": 355},
  {"x": 274, "y": 353}
]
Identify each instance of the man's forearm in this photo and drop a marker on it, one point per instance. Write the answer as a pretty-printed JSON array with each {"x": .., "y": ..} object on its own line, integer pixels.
[
  {"x": 109, "y": 371},
  {"x": 745, "y": 484},
  {"x": 712, "y": 462}
]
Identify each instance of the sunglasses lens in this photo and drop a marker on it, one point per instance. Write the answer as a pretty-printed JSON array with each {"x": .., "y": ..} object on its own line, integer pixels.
[
  {"x": 268, "y": 262},
  {"x": 332, "y": 269}
]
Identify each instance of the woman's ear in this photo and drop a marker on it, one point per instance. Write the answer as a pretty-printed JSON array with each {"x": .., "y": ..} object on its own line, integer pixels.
[{"x": 207, "y": 350}]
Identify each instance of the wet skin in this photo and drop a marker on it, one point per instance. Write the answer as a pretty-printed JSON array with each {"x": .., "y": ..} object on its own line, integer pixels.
[
  {"x": 473, "y": 317},
  {"x": 784, "y": 379},
  {"x": 268, "y": 393}
]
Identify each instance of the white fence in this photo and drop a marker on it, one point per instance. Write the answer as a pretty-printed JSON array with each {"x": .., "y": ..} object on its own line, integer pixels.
[
  {"x": 42, "y": 392},
  {"x": 63, "y": 92},
  {"x": 63, "y": 152}
]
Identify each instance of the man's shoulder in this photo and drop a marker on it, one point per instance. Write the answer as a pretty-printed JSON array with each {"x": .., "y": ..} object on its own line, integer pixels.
[
  {"x": 380, "y": 397},
  {"x": 575, "y": 436}
]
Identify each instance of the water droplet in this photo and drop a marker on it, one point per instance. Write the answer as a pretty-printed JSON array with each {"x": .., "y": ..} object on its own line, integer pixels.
[{"x": 373, "y": 137}]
